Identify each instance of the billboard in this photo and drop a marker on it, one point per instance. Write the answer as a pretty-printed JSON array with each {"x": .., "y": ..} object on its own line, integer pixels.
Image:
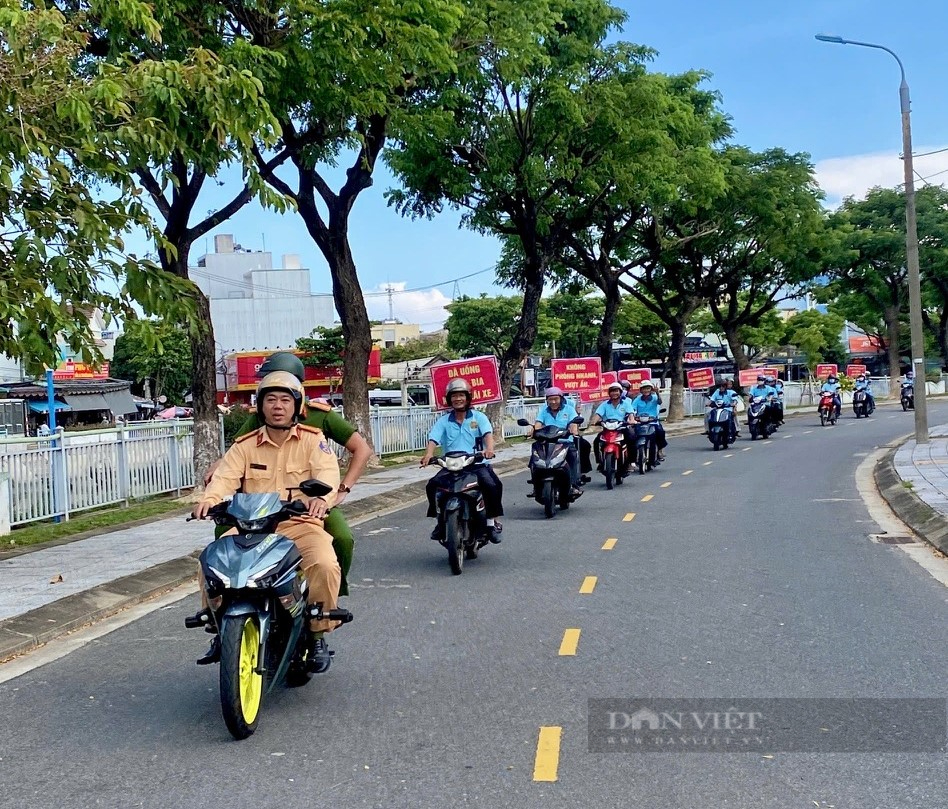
[
  {"x": 577, "y": 374},
  {"x": 853, "y": 370},
  {"x": 700, "y": 378},
  {"x": 482, "y": 373},
  {"x": 80, "y": 370},
  {"x": 824, "y": 369},
  {"x": 635, "y": 376}
]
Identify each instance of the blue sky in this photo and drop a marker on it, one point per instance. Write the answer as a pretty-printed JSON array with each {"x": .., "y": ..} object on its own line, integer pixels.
[{"x": 780, "y": 86}]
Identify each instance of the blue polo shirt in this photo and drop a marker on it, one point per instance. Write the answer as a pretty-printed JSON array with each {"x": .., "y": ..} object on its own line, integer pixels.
[
  {"x": 726, "y": 396},
  {"x": 561, "y": 418},
  {"x": 607, "y": 410},
  {"x": 454, "y": 437},
  {"x": 640, "y": 407}
]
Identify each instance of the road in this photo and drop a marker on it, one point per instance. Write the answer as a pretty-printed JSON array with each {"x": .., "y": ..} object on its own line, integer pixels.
[{"x": 748, "y": 573}]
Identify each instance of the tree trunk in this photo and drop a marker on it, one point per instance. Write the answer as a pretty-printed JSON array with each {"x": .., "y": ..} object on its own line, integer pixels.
[
  {"x": 737, "y": 348},
  {"x": 204, "y": 368},
  {"x": 521, "y": 344},
  {"x": 892, "y": 333},
  {"x": 604, "y": 338},
  {"x": 676, "y": 362}
]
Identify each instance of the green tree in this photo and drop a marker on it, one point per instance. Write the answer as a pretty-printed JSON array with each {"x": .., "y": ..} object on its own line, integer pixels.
[
  {"x": 325, "y": 348},
  {"x": 346, "y": 75},
  {"x": 646, "y": 334},
  {"x": 515, "y": 141},
  {"x": 62, "y": 246},
  {"x": 197, "y": 109},
  {"x": 817, "y": 335},
  {"x": 932, "y": 212},
  {"x": 579, "y": 315},
  {"x": 484, "y": 326},
  {"x": 870, "y": 264},
  {"x": 156, "y": 371},
  {"x": 424, "y": 346}
]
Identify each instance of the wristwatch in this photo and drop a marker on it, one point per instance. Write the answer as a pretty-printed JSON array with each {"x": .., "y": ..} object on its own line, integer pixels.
[{"x": 344, "y": 489}]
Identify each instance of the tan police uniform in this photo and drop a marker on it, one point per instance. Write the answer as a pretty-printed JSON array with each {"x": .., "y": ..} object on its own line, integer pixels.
[{"x": 256, "y": 464}]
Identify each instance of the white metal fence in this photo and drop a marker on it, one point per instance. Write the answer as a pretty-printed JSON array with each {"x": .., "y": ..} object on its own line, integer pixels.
[
  {"x": 58, "y": 475},
  {"x": 55, "y": 476}
]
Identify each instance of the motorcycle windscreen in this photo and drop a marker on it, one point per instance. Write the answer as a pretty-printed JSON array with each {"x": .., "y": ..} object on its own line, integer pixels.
[
  {"x": 254, "y": 507},
  {"x": 246, "y": 563}
]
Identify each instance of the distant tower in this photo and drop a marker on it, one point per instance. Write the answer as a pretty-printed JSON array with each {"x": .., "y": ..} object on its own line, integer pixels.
[
  {"x": 391, "y": 301},
  {"x": 456, "y": 292}
]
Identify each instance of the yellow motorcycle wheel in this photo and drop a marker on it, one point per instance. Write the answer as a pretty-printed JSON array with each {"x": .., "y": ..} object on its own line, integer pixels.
[{"x": 242, "y": 685}]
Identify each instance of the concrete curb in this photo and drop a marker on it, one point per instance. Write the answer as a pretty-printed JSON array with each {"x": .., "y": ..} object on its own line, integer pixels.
[
  {"x": 23, "y": 633},
  {"x": 929, "y": 524}
]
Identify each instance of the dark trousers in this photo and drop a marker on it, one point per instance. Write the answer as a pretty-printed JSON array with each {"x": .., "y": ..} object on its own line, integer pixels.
[{"x": 487, "y": 480}]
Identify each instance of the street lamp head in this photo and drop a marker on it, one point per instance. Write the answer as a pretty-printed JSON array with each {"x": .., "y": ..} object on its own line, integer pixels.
[{"x": 831, "y": 38}]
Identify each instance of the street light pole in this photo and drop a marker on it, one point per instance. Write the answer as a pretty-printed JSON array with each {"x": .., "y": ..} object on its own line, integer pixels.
[{"x": 911, "y": 244}]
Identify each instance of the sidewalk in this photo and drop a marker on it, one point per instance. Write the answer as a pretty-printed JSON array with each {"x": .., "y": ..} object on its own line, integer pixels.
[
  {"x": 53, "y": 590},
  {"x": 913, "y": 480}
]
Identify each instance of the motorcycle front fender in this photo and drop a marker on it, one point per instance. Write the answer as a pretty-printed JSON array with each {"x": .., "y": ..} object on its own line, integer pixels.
[{"x": 239, "y": 609}]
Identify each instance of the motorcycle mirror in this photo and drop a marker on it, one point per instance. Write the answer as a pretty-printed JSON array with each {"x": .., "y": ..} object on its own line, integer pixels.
[
  {"x": 523, "y": 423},
  {"x": 577, "y": 420},
  {"x": 663, "y": 410},
  {"x": 314, "y": 488}
]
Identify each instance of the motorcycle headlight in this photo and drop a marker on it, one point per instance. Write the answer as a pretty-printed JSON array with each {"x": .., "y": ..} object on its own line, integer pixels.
[
  {"x": 455, "y": 464},
  {"x": 217, "y": 579},
  {"x": 261, "y": 579}
]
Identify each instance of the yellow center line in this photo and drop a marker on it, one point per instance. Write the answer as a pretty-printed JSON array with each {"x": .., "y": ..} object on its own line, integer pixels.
[
  {"x": 609, "y": 544},
  {"x": 747, "y": 449},
  {"x": 647, "y": 498},
  {"x": 729, "y": 455},
  {"x": 629, "y": 517},
  {"x": 547, "y": 762},
  {"x": 687, "y": 472},
  {"x": 570, "y": 642},
  {"x": 666, "y": 484},
  {"x": 708, "y": 463},
  {"x": 589, "y": 584}
]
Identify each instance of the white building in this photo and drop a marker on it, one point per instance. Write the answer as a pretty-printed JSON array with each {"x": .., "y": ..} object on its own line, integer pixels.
[{"x": 253, "y": 305}]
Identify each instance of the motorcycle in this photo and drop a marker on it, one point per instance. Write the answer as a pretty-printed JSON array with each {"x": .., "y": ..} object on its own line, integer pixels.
[
  {"x": 862, "y": 404},
  {"x": 907, "y": 396},
  {"x": 777, "y": 410},
  {"x": 646, "y": 450},
  {"x": 759, "y": 424},
  {"x": 549, "y": 467},
  {"x": 615, "y": 452},
  {"x": 827, "y": 408},
  {"x": 256, "y": 593},
  {"x": 460, "y": 505},
  {"x": 721, "y": 425}
]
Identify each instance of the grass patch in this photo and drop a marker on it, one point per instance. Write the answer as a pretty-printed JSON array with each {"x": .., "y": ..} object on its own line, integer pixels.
[
  {"x": 91, "y": 521},
  {"x": 907, "y": 484}
]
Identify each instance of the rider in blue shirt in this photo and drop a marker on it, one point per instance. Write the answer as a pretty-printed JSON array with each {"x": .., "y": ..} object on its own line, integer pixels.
[
  {"x": 831, "y": 385},
  {"x": 615, "y": 407},
  {"x": 646, "y": 404},
  {"x": 863, "y": 383},
  {"x": 559, "y": 412},
  {"x": 463, "y": 429},
  {"x": 729, "y": 397}
]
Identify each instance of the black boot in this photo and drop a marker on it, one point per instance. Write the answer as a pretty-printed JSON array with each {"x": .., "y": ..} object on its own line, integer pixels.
[
  {"x": 213, "y": 654},
  {"x": 319, "y": 657},
  {"x": 438, "y": 533}
]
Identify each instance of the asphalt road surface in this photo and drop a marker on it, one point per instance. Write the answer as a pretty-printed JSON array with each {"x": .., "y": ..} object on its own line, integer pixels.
[{"x": 743, "y": 574}]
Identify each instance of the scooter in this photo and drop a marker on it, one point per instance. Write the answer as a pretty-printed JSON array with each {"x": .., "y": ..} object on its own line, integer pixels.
[
  {"x": 758, "y": 418},
  {"x": 827, "y": 409},
  {"x": 907, "y": 396},
  {"x": 549, "y": 466},
  {"x": 615, "y": 452},
  {"x": 862, "y": 404},
  {"x": 721, "y": 430},
  {"x": 460, "y": 505},
  {"x": 646, "y": 451},
  {"x": 256, "y": 594}
]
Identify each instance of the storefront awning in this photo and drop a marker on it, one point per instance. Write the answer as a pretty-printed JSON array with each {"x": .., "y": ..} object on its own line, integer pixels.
[
  {"x": 83, "y": 402},
  {"x": 120, "y": 402},
  {"x": 43, "y": 407}
]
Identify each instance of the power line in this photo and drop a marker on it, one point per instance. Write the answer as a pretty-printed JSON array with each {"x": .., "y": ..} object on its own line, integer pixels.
[{"x": 926, "y": 154}]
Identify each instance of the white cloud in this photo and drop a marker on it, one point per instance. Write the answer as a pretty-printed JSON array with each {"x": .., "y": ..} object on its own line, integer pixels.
[
  {"x": 422, "y": 306},
  {"x": 853, "y": 176}
]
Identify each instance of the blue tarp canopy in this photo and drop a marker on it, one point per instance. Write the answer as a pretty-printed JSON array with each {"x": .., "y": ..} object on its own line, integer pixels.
[{"x": 43, "y": 407}]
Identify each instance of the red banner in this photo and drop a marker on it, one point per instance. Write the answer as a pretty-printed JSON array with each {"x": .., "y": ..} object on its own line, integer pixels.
[
  {"x": 748, "y": 377},
  {"x": 864, "y": 344},
  {"x": 824, "y": 369},
  {"x": 80, "y": 370},
  {"x": 578, "y": 374},
  {"x": 482, "y": 373},
  {"x": 242, "y": 369},
  {"x": 854, "y": 370},
  {"x": 700, "y": 378},
  {"x": 635, "y": 375},
  {"x": 773, "y": 370}
]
